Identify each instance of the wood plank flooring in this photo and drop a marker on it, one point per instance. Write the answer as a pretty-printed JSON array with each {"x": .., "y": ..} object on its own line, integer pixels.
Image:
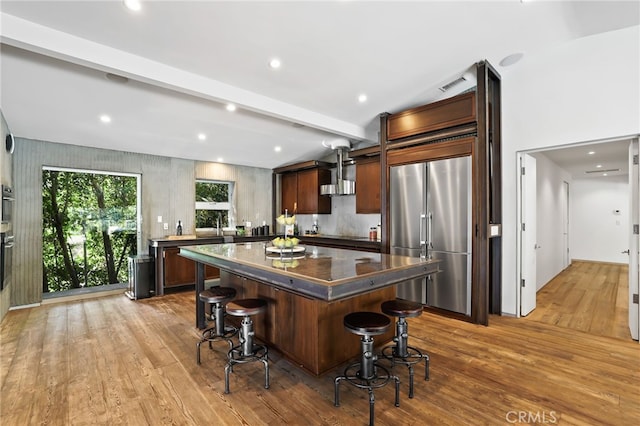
[
  {"x": 110, "y": 361},
  {"x": 587, "y": 296}
]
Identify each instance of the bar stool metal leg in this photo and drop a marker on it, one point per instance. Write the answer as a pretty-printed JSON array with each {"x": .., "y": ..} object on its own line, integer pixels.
[
  {"x": 246, "y": 351},
  {"x": 400, "y": 352}
]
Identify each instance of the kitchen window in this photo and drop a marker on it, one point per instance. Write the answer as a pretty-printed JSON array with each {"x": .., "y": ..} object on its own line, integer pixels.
[{"x": 213, "y": 204}]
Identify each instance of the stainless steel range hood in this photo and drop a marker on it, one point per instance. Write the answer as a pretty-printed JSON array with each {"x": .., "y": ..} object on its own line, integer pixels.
[{"x": 341, "y": 186}]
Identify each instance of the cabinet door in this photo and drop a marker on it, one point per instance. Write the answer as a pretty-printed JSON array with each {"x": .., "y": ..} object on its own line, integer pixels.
[
  {"x": 211, "y": 272},
  {"x": 289, "y": 184},
  {"x": 439, "y": 115},
  {"x": 368, "y": 186},
  {"x": 178, "y": 270},
  {"x": 309, "y": 199}
]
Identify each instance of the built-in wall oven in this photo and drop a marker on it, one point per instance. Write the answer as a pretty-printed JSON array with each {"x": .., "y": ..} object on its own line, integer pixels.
[
  {"x": 6, "y": 208},
  {"x": 6, "y": 235},
  {"x": 6, "y": 245}
]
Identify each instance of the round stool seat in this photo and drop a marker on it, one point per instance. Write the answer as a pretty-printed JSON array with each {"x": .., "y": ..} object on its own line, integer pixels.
[
  {"x": 245, "y": 307},
  {"x": 366, "y": 323},
  {"x": 217, "y": 295},
  {"x": 401, "y": 308}
]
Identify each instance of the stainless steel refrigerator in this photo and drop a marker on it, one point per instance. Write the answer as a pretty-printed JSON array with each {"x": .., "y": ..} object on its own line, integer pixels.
[{"x": 430, "y": 213}]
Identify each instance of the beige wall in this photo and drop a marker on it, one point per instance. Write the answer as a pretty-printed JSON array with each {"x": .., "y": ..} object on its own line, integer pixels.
[{"x": 167, "y": 187}]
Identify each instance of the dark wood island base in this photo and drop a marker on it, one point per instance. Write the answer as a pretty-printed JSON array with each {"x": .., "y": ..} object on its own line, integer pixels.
[{"x": 309, "y": 332}]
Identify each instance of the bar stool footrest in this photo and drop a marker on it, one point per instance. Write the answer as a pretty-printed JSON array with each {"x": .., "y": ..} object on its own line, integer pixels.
[
  {"x": 413, "y": 355},
  {"x": 352, "y": 375}
]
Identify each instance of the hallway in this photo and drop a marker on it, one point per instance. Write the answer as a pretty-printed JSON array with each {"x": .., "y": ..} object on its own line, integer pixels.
[{"x": 587, "y": 296}]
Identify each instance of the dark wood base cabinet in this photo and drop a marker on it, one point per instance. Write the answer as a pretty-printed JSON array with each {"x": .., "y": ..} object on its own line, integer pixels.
[
  {"x": 308, "y": 331},
  {"x": 180, "y": 271}
]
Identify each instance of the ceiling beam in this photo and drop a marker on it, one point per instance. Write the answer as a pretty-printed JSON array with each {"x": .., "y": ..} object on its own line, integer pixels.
[{"x": 46, "y": 41}]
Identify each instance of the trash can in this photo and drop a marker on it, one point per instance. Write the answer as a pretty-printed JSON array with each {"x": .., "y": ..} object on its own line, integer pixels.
[{"x": 141, "y": 277}]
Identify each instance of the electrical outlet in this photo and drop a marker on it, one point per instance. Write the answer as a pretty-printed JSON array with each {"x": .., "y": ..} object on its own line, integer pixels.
[
  {"x": 165, "y": 226},
  {"x": 159, "y": 219}
]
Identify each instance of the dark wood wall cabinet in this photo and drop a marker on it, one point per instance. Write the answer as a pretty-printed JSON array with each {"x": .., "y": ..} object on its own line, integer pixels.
[
  {"x": 289, "y": 185},
  {"x": 440, "y": 115},
  {"x": 300, "y": 188},
  {"x": 368, "y": 185}
]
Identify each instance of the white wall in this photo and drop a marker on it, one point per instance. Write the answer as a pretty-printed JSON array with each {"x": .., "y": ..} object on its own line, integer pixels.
[
  {"x": 596, "y": 232},
  {"x": 580, "y": 91},
  {"x": 551, "y": 197}
]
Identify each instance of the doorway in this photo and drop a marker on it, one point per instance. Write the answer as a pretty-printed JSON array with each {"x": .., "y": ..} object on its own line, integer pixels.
[
  {"x": 90, "y": 226},
  {"x": 589, "y": 170}
]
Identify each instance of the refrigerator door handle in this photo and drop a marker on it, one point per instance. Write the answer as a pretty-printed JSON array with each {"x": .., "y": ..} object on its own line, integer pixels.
[
  {"x": 423, "y": 242},
  {"x": 429, "y": 230}
]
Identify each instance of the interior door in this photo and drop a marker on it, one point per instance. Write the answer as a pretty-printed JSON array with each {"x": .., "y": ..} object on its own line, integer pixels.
[
  {"x": 528, "y": 234},
  {"x": 565, "y": 227},
  {"x": 634, "y": 244}
]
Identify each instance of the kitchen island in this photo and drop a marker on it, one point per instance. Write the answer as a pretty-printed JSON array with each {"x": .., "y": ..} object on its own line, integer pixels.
[{"x": 309, "y": 291}]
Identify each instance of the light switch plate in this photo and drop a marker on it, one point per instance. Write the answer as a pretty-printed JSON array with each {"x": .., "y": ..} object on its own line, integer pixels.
[
  {"x": 159, "y": 219},
  {"x": 165, "y": 226}
]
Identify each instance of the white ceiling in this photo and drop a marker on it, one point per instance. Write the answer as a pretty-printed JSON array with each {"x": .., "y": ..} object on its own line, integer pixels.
[
  {"x": 185, "y": 60},
  {"x": 593, "y": 160}
]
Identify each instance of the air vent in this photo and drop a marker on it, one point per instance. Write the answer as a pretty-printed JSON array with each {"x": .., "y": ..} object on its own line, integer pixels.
[
  {"x": 602, "y": 171},
  {"x": 450, "y": 85},
  {"x": 463, "y": 78},
  {"x": 117, "y": 78}
]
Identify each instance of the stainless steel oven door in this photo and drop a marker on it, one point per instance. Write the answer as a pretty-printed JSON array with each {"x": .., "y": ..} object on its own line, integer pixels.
[
  {"x": 6, "y": 208},
  {"x": 6, "y": 255}
]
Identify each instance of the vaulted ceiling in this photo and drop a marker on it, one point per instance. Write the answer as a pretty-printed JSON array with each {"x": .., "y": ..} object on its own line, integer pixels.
[{"x": 165, "y": 74}]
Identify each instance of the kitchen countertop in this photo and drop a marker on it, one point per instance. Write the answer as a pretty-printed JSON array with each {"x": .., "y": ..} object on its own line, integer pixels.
[
  {"x": 323, "y": 273},
  {"x": 359, "y": 243},
  {"x": 337, "y": 237},
  {"x": 315, "y": 239},
  {"x": 178, "y": 240}
]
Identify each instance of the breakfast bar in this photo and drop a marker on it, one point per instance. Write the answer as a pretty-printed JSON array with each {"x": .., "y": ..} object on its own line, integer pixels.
[{"x": 309, "y": 290}]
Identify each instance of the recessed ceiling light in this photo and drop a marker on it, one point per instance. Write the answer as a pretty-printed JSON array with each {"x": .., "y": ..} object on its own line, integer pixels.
[
  {"x": 277, "y": 149},
  {"x": 231, "y": 107},
  {"x": 202, "y": 136},
  {"x": 591, "y": 152},
  {"x": 105, "y": 118},
  {"x": 134, "y": 5},
  {"x": 511, "y": 59},
  {"x": 220, "y": 160},
  {"x": 275, "y": 63},
  {"x": 598, "y": 166},
  {"x": 604, "y": 174},
  {"x": 362, "y": 98}
]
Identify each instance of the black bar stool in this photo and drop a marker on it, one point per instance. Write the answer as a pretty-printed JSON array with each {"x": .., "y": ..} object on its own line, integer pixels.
[
  {"x": 246, "y": 351},
  {"x": 364, "y": 374},
  {"x": 401, "y": 352},
  {"x": 217, "y": 297}
]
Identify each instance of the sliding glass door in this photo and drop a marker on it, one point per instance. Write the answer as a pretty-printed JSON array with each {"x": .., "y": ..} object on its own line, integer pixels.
[{"x": 90, "y": 226}]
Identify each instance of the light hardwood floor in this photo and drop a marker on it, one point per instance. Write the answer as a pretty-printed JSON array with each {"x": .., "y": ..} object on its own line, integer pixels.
[
  {"x": 114, "y": 361},
  {"x": 587, "y": 296}
]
